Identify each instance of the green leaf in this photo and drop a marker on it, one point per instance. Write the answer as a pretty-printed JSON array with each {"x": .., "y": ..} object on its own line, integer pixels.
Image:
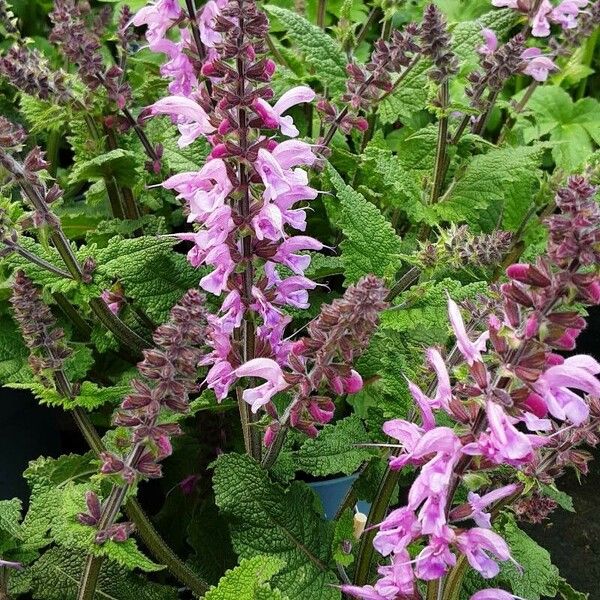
[
  {"x": 321, "y": 51},
  {"x": 13, "y": 353},
  {"x": 245, "y": 581},
  {"x": 422, "y": 312},
  {"x": 567, "y": 592},
  {"x": 10, "y": 517},
  {"x": 265, "y": 519},
  {"x": 334, "y": 450},
  {"x": 561, "y": 498},
  {"x": 371, "y": 244},
  {"x": 89, "y": 396},
  {"x": 343, "y": 535},
  {"x": 120, "y": 164},
  {"x": 55, "y": 576},
  {"x": 495, "y": 190},
  {"x": 150, "y": 271},
  {"x": 539, "y": 576},
  {"x": 42, "y": 115}
]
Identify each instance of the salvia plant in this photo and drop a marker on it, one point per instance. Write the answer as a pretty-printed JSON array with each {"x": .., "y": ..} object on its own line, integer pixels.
[{"x": 253, "y": 254}]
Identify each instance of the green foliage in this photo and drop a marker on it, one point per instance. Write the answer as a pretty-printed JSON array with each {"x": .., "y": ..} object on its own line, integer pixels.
[
  {"x": 321, "y": 52},
  {"x": 495, "y": 190},
  {"x": 343, "y": 535},
  {"x": 150, "y": 272},
  {"x": 118, "y": 164},
  {"x": 13, "y": 353},
  {"x": 573, "y": 127},
  {"x": 265, "y": 519},
  {"x": 248, "y": 579},
  {"x": 55, "y": 576},
  {"x": 334, "y": 450},
  {"x": 89, "y": 396},
  {"x": 370, "y": 244}
]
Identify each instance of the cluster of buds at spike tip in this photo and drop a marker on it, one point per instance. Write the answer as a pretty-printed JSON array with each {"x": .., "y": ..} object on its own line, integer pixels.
[
  {"x": 25, "y": 68},
  {"x": 168, "y": 374},
  {"x": 44, "y": 339},
  {"x": 245, "y": 201},
  {"x": 11, "y": 135},
  {"x": 78, "y": 37},
  {"x": 458, "y": 248},
  {"x": 365, "y": 85},
  {"x": 517, "y": 406},
  {"x": 436, "y": 45},
  {"x": 322, "y": 361}
]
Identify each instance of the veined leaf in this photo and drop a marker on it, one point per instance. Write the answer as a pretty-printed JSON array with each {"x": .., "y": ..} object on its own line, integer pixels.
[
  {"x": 371, "y": 244},
  {"x": 245, "y": 581},
  {"x": 265, "y": 519},
  {"x": 321, "y": 51}
]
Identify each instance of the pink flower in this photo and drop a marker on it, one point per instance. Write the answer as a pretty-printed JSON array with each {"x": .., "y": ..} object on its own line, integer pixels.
[
  {"x": 538, "y": 66},
  {"x": 292, "y": 153},
  {"x": 398, "y": 579},
  {"x": 397, "y": 531},
  {"x": 190, "y": 117},
  {"x": 479, "y": 503},
  {"x": 556, "y": 384},
  {"x": 210, "y": 38},
  {"x": 365, "y": 592},
  {"x": 435, "y": 559},
  {"x": 503, "y": 443},
  {"x": 477, "y": 544},
  {"x": 565, "y": 14},
  {"x": 205, "y": 190},
  {"x": 493, "y": 594},
  {"x": 490, "y": 44},
  {"x": 219, "y": 257},
  {"x": 271, "y": 116},
  {"x": 505, "y": 3},
  {"x": 113, "y": 301},
  {"x": 470, "y": 350},
  {"x": 159, "y": 17},
  {"x": 219, "y": 378},
  {"x": 540, "y": 24},
  {"x": 263, "y": 368},
  {"x": 233, "y": 310},
  {"x": 286, "y": 252}
]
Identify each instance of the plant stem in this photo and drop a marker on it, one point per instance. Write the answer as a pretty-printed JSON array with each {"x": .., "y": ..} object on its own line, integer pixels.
[
  {"x": 321, "y": 9},
  {"x": 373, "y": 16},
  {"x": 403, "y": 283},
  {"x": 518, "y": 109},
  {"x": 37, "y": 260},
  {"x": 251, "y": 437},
  {"x": 89, "y": 578},
  {"x": 376, "y": 515},
  {"x": 442, "y": 144}
]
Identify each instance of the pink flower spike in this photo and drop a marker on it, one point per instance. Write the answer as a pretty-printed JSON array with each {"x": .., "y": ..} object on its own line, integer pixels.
[
  {"x": 470, "y": 350},
  {"x": 190, "y": 116},
  {"x": 159, "y": 17},
  {"x": 271, "y": 116},
  {"x": 263, "y": 368}
]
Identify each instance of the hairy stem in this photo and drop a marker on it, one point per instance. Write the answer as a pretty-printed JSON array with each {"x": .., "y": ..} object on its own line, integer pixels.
[
  {"x": 321, "y": 9},
  {"x": 89, "y": 578},
  {"x": 442, "y": 145}
]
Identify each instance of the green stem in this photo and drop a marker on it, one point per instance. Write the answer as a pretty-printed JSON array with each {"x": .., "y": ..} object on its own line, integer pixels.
[
  {"x": 362, "y": 34},
  {"x": 518, "y": 109},
  {"x": 588, "y": 57},
  {"x": 36, "y": 260},
  {"x": 321, "y": 9},
  {"x": 159, "y": 549},
  {"x": 376, "y": 515},
  {"x": 442, "y": 145},
  {"x": 89, "y": 580}
]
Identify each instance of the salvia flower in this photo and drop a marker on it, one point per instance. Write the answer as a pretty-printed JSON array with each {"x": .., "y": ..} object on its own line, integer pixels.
[
  {"x": 521, "y": 406},
  {"x": 436, "y": 44}
]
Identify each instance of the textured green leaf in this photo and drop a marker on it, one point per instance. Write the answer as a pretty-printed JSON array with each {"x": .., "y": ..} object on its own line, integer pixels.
[
  {"x": 321, "y": 51},
  {"x": 13, "y": 353},
  {"x": 42, "y": 115},
  {"x": 343, "y": 535},
  {"x": 567, "y": 592},
  {"x": 150, "y": 271},
  {"x": 539, "y": 576},
  {"x": 10, "y": 517},
  {"x": 90, "y": 396},
  {"x": 265, "y": 519},
  {"x": 244, "y": 582},
  {"x": 495, "y": 190},
  {"x": 120, "y": 164},
  {"x": 422, "y": 312},
  {"x": 55, "y": 576},
  {"x": 370, "y": 245},
  {"x": 334, "y": 449},
  {"x": 561, "y": 498}
]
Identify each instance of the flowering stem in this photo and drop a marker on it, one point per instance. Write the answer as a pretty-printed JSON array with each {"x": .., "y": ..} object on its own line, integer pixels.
[
  {"x": 362, "y": 34},
  {"x": 442, "y": 144},
  {"x": 89, "y": 580},
  {"x": 36, "y": 260},
  {"x": 191, "y": 8},
  {"x": 518, "y": 109}
]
